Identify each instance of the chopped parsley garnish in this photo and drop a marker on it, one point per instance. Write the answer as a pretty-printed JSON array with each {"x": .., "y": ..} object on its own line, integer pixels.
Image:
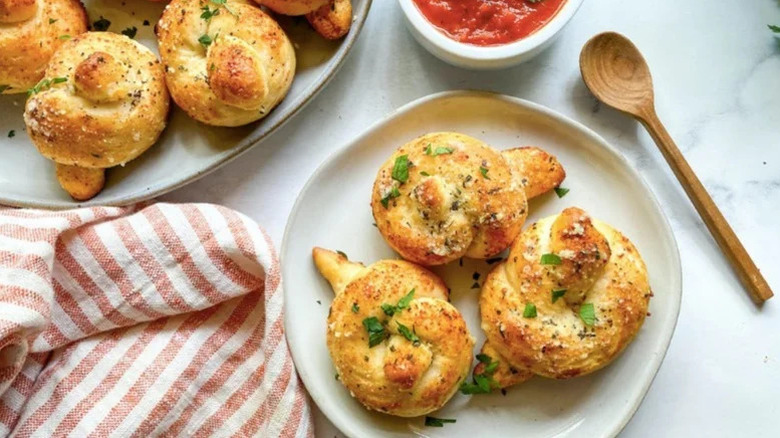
[
  {"x": 44, "y": 84},
  {"x": 342, "y": 253},
  {"x": 64, "y": 37},
  {"x": 204, "y": 40},
  {"x": 490, "y": 365},
  {"x": 425, "y": 173},
  {"x": 130, "y": 32},
  {"x": 529, "y": 311},
  {"x": 11, "y": 133},
  {"x": 355, "y": 308},
  {"x": 101, "y": 25},
  {"x": 208, "y": 13},
  {"x": 408, "y": 334},
  {"x": 53, "y": 20},
  {"x": 402, "y": 304},
  {"x": 4, "y": 87},
  {"x": 376, "y": 331},
  {"x": 557, "y": 294},
  {"x": 588, "y": 314},
  {"x": 401, "y": 169},
  {"x": 429, "y": 150},
  {"x": 773, "y": 28},
  {"x": 483, "y": 383},
  {"x": 146, "y": 22},
  {"x": 561, "y": 192},
  {"x": 550, "y": 259},
  {"x": 394, "y": 193},
  {"x": 437, "y": 422},
  {"x": 484, "y": 171}
]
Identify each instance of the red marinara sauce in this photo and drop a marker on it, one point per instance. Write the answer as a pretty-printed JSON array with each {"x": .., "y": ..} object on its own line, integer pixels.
[{"x": 489, "y": 22}]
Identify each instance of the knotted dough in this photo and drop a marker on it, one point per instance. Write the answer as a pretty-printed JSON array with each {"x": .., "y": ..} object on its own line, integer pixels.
[
  {"x": 102, "y": 103},
  {"x": 570, "y": 297},
  {"x": 332, "y": 20},
  {"x": 30, "y": 32},
  {"x": 446, "y": 195},
  {"x": 225, "y": 64},
  {"x": 420, "y": 350}
]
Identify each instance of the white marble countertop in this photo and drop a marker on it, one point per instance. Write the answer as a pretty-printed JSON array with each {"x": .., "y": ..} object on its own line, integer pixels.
[{"x": 716, "y": 69}]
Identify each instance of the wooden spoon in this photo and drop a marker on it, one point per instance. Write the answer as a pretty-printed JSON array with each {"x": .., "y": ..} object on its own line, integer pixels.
[{"x": 616, "y": 73}]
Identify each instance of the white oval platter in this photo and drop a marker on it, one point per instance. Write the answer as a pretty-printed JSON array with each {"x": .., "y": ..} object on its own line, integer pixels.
[{"x": 187, "y": 150}]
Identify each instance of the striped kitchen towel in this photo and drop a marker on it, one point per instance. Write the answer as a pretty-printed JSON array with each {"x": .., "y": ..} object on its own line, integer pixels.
[{"x": 152, "y": 320}]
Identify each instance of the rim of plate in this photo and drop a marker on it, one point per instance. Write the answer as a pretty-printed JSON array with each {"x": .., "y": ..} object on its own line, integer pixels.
[
  {"x": 257, "y": 136},
  {"x": 329, "y": 410}
]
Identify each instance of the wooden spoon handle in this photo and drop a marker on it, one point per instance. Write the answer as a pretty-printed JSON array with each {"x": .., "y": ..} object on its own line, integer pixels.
[{"x": 729, "y": 243}]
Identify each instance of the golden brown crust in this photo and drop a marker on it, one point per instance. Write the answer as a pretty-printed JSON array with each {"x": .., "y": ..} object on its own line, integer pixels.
[
  {"x": 332, "y": 20},
  {"x": 106, "y": 102},
  {"x": 227, "y": 70},
  {"x": 599, "y": 267},
  {"x": 30, "y": 32},
  {"x": 292, "y": 7},
  {"x": 398, "y": 376},
  {"x": 238, "y": 82},
  {"x": 541, "y": 171},
  {"x": 462, "y": 198},
  {"x": 81, "y": 183},
  {"x": 447, "y": 208},
  {"x": 100, "y": 78},
  {"x": 14, "y": 11}
]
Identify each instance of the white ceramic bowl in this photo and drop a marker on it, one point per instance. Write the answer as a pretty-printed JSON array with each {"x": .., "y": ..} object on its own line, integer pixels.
[{"x": 484, "y": 57}]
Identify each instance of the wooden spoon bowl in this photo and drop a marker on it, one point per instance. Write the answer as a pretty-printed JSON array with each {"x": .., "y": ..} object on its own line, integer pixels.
[{"x": 616, "y": 73}]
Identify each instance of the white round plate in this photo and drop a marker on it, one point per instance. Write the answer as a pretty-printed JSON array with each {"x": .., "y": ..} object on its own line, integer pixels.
[
  {"x": 187, "y": 150},
  {"x": 333, "y": 212}
]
